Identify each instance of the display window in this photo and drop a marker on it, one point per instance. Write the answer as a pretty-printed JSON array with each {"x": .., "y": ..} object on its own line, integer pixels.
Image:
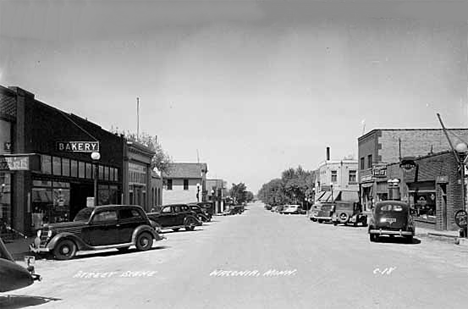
[
  {"x": 50, "y": 202},
  {"x": 424, "y": 204}
]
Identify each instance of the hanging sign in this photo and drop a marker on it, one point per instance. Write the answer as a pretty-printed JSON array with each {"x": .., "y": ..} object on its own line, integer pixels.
[{"x": 78, "y": 146}]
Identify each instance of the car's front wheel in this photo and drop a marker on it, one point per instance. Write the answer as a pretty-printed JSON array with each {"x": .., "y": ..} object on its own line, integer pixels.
[
  {"x": 144, "y": 241},
  {"x": 65, "y": 250},
  {"x": 190, "y": 225}
]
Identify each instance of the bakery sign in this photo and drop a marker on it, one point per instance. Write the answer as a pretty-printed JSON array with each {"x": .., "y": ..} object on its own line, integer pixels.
[{"x": 77, "y": 146}]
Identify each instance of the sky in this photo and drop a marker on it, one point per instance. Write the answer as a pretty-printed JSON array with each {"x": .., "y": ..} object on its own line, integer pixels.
[{"x": 252, "y": 88}]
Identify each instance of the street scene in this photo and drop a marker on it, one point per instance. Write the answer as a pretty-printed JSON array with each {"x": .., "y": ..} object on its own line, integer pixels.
[
  {"x": 258, "y": 259},
  {"x": 233, "y": 154}
]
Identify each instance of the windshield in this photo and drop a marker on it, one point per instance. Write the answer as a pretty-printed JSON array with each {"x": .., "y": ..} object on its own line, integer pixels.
[{"x": 83, "y": 215}]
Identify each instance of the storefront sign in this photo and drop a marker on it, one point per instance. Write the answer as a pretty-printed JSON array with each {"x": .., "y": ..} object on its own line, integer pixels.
[
  {"x": 408, "y": 164},
  {"x": 14, "y": 163},
  {"x": 367, "y": 178},
  {"x": 379, "y": 171},
  {"x": 7, "y": 146},
  {"x": 461, "y": 218},
  {"x": 78, "y": 146}
]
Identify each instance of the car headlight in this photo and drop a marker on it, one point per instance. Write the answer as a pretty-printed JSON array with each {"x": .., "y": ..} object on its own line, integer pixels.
[
  {"x": 39, "y": 233},
  {"x": 49, "y": 233}
]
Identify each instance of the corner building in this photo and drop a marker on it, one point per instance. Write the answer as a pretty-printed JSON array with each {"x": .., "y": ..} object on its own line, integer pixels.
[{"x": 46, "y": 171}]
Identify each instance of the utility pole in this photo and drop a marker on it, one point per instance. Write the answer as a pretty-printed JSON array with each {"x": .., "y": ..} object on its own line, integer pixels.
[{"x": 138, "y": 118}]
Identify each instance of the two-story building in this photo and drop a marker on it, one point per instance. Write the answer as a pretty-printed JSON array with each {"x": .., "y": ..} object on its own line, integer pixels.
[
  {"x": 380, "y": 147},
  {"x": 185, "y": 183},
  {"x": 336, "y": 180}
]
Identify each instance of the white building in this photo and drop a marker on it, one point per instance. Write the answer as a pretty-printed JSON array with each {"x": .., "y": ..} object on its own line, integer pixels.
[
  {"x": 185, "y": 183},
  {"x": 337, "y": 181}
]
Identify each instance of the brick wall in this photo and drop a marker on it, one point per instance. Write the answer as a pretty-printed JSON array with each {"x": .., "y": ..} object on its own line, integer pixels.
[{"x": 416, "y": 142}]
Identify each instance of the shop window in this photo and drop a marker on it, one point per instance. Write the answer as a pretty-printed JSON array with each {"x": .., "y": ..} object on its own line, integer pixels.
[
  {"x": 5, "y": 200},
  {"x": 65, "y": 167},
  {"x": 73, "y": 168},
  {"x": 424, "y": 205},
  {"x": 56, "y": 166},
  {"x": 46, "y": 164},
  {"x": 116, "y": 174},
  {"x": 334, "y": 176},
  {"x": 89, "y": 171},
  {"x": 104, "y": 195},
  {"x": 186, "y": 184},
  {"x": 106, "y": 173},
  {"x": 352, "y": 177},
  {"x": 101, "y": 172},
  {"x": 81, "y": 170},
  {"x": 114, "y": 195}
]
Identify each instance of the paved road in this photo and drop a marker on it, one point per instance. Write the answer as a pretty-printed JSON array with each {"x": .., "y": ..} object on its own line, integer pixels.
[{"x": 270, "y": 261}]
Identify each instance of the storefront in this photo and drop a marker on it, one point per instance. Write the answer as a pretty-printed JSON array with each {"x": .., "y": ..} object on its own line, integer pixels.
[
  {"x": 47, "y": 173},
  {"x": 432, "y": 186},
  {"x": 138, "y": 188}
]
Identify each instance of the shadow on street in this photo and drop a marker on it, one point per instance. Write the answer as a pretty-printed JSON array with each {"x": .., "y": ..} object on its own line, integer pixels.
[{"x": 21, "y": 301}]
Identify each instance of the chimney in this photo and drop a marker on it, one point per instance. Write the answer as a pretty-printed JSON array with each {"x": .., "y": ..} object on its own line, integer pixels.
[{"x": 328, "y": 153}]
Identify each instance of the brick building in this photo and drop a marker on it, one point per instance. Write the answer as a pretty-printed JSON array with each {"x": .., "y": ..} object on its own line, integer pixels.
[
  {"x": 432, "y": 187},
  {"x": 380, "y": 147}
]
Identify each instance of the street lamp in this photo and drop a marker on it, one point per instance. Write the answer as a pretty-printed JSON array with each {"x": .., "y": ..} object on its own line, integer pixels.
[
  {"x": 95, "y": 156},
  {"x": 198, "y": 192},
  {"x": 462, "y": 150}
]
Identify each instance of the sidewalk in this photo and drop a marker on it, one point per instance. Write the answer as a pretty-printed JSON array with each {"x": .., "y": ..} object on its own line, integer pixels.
[
  {"x": 19, "y": 248},
  {"x": 451, "y": 236}
]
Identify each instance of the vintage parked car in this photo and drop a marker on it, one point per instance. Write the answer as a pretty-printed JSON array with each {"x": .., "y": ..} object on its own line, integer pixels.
[
  {"x": 323, "y": 213},
  {"x": 12, "y": 275},
  {"x": 348, "y": 213},
  {"x": 279, "y": 208},
  {"x": 391, "y": 218},
  {"x": 175, "y": 217},
  {"x": 97, "y": 228},
  {"x": 200, "y": 213},
  {"x": 293, "y": 209},
  {"x": 207, "y": 207}
]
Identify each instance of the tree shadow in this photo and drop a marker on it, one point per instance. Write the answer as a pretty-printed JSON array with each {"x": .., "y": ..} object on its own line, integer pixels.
[{"x": 21, "y": 301}]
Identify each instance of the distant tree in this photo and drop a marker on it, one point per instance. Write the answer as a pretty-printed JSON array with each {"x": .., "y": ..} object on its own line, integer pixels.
[
  {"x": 249, "y": 196},
  {"x": 161, "y": 160},
  {"x": 294, "y": 186},
  {"x": 238, "y": 192}
]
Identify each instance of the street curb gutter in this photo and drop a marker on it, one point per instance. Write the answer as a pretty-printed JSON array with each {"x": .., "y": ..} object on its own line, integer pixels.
[{"x": 449, "y": 238}]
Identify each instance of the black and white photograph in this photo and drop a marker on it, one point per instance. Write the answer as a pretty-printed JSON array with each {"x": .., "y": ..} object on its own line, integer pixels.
[{"x": 233, "y": 154}]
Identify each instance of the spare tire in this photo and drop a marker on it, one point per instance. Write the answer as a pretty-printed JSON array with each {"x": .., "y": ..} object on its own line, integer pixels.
[{"x": 344, "y": 217}]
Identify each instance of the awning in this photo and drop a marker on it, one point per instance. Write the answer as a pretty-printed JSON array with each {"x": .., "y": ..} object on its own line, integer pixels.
[{"x": 367, "y": 185}]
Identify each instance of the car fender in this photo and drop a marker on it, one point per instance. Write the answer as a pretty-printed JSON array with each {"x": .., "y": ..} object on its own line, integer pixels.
[
  {"x": 145, "y": 228},
  {"x": 55, "y": 240},
  {"x": 13, "y": 276}
]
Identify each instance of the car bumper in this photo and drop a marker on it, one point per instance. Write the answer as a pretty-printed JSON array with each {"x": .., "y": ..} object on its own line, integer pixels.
[
  {"x": 388, "y": 232},
  {"x": 37, "y": 250}
]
